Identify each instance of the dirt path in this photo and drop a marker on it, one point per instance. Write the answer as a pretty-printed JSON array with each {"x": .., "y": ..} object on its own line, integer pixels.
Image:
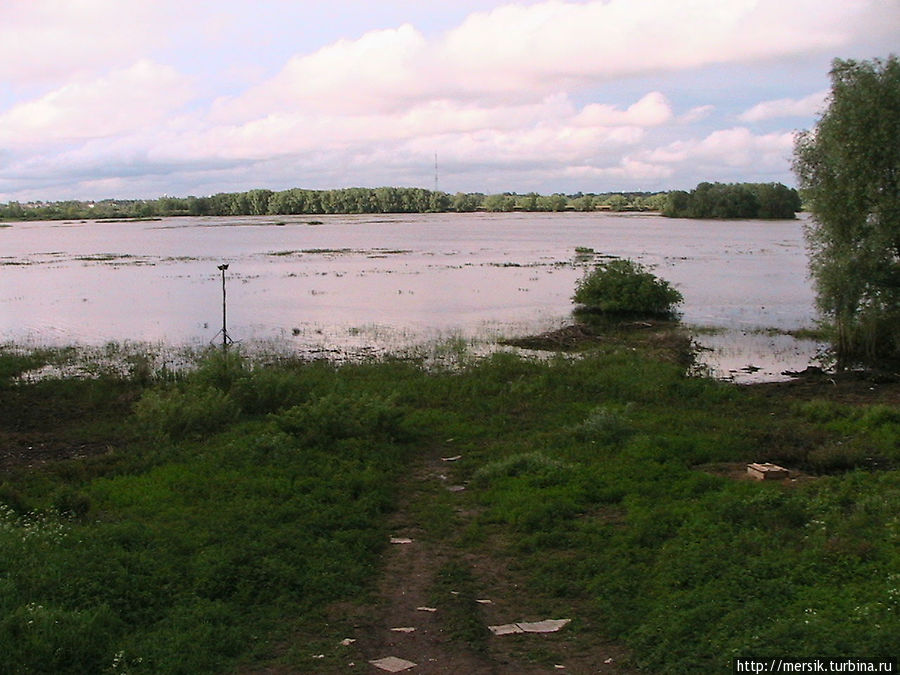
[{"x": 451, "y": 622}]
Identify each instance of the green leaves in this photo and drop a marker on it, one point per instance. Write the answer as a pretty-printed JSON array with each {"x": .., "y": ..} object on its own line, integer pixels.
[
  {"x": 626, "y": 287},
  {"x": 849, "y": 167},
  {"x": 734, "y": 200}
]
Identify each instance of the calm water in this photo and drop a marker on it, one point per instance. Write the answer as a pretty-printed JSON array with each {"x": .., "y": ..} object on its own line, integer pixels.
[{"x": 379, "y": 283}]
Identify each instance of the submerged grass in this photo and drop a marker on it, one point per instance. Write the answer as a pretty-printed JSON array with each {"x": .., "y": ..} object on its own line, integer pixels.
[{"x": 233, "y": 502}]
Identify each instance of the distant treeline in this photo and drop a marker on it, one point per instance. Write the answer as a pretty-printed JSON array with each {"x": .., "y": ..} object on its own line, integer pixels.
[
  {"x": 734, "y": 200},
  {"x": 298, "y": 201}
]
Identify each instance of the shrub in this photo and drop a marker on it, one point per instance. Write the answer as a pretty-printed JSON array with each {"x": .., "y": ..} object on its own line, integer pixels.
[
  {"x": 220, "y": 369},
  {"x": 625, "y": 287},
  {"x": 535, "y": 465},
  {"x": 334, "y": 417},
  {"x": 70, "y": 502},
  {"x": 606, "y": 424},
  {"x": 39, "y": 639},
  {"x": 268, "y": 390},
  {"x": 181, "y": 414}
]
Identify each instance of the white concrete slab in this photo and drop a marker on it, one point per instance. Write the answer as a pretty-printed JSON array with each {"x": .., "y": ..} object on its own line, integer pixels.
[{"x": 393, "y": 664}]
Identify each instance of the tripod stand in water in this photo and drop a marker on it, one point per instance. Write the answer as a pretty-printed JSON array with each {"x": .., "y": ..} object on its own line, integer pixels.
[{"x": 226, "y": 338}]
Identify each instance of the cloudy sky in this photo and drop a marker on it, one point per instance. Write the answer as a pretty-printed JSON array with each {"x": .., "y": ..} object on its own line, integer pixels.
[{"x": 140, "y": 98}]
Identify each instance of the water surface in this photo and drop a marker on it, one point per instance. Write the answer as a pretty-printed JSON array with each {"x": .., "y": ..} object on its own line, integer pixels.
[{"x": 387, "y": 282}]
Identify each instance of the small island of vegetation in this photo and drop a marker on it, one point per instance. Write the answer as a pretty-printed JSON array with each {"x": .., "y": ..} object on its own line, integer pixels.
[{"x": 625, "y": 287}]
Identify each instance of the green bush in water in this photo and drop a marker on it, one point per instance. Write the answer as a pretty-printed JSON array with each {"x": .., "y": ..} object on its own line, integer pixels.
[{"x": 626, "y": 287}]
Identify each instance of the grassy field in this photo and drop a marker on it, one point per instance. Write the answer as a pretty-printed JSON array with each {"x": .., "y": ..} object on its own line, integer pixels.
[{"x": 199, "y": 523}]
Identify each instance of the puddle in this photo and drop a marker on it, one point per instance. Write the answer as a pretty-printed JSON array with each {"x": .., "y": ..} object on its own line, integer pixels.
[{"x": 748, "y": 357}]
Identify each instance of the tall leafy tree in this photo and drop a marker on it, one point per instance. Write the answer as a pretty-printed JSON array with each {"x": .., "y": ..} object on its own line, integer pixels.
[
  {"x": 849, "y": 167},
  {"x": 733, "y": 200}
]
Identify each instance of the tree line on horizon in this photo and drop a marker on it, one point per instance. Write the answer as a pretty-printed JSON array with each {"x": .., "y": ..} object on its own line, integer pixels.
[
  {"x": 708, "y": 200},
  {"x": 766, "y": 201}
]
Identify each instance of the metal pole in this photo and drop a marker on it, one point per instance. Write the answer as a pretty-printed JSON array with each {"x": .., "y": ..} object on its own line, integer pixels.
[{"x": 224, "y": 324}]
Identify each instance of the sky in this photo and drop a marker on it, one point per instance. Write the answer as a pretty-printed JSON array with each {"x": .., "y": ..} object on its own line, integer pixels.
[{"x": 143, "y": 98}]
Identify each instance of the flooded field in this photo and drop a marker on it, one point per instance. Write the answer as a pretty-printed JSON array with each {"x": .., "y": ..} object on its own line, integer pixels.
[{"x": 370, "y": 284}]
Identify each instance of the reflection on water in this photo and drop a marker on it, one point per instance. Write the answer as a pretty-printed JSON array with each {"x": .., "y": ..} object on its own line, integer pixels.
[
  {"x": 367, "y": 284},
  {"x": 754, "y": 356}
]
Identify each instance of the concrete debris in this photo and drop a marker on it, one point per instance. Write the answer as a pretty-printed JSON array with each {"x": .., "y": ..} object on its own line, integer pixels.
[
  {"x": 404, "y": 629},
  {"x": 456, "y": 488},
  {"x": 401, "y": 540},
  {"x": 545, "y": 626},
  {"x": 767, "y": 471},
  {"x": 427, "y": 609},
  {"x": 347, "y": 641},
  {"x": 455, "y": 458},
  {"x": 485, "y": 602},
  {"x": 392, "y": 664}
]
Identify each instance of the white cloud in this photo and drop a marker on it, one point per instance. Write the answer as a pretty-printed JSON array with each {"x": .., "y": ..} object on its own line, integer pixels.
[
  {"x": 550, "y": 127},
  {"x": 732, "y": 148},
  {"x": 697, "y": 114},
  {"x": 557, "y": 41},
  {"x": 785, "y": 107},
  {"x": 557, "y": 144},
  {"x": 518, "y": 53},
  {"x": 548, "y": 136},
  {"x": 627, "y": 172},
  {"x": 652, "y": 110},
  {"x": 45, "y": 40},
  {"x": 382, "y": 70},
  {"x": 497, "y": 90},
  {"x": 124, "y": 101},
  {"x": 738, "y": 147}
]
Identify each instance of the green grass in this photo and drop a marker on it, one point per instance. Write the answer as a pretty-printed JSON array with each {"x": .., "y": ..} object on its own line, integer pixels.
[
  {"x": 191, "y": 559},
  {"x": 14, "y": 361},
  {"x": 455, "y": 590},
  {"x": 234, "y": 504}
]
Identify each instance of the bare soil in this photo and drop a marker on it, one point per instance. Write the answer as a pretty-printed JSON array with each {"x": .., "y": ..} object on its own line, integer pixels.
[
  {"x": 37, "y": 429},
  {"x": 407, "y": 583}
]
